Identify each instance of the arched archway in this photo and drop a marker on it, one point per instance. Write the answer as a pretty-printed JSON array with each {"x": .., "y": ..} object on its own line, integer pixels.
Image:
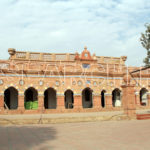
[
  {"x": 103, "y": 98},
  {"x": 11, "y": 98},
  {"x": 116, "y": 97},
  {"x": 143, "y": 97},
  {"x": 31, "y": 98},
  {"x": 50, "y": 101},
  {"x": 69, "y": 99},
  {"x": 87, "y": 101}
]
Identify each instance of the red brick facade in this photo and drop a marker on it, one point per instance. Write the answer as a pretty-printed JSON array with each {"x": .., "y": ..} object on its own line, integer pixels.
[{"x": 76, "y": 82}]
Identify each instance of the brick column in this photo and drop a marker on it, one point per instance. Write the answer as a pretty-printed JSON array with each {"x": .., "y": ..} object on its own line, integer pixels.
[
  {"x": 21, "y": 102},
  {"x": 60, "y": 102},
  {"x": 137, "y": 99},
  {"x": 77, "y": 101},
  {"x": 108, "y": 100},
  {"x": 1, "y": 102},
  {"x": 96, "y": 101},
  {"x": 148, "y": 98},
  {"x": 128, "y": 100},
  {"x": 41, "y": 102}
]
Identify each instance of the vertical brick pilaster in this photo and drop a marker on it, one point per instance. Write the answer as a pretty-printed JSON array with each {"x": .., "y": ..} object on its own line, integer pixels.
[
  {"x": 60, "y": 102},
  {"x": 41, "y": 102},
  {"x": 21, "y": 102},
  {"x": 148, "y": 98},
  {"x": 77, "y": 101},
  {"x": 108, "y": 100},
  {"x": 1, "y": 102},
  {"x": 137, "y": 99},
  {"x": 128, "y": 100},
  {"x": 97, "y": 101}
]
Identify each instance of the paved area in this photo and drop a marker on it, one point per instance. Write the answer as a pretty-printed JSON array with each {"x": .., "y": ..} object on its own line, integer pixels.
[
  {"x": 102, "y": 135},
  {"x": 63, "y": 115},
  {"x": 59, "y": 115},
  {"x": 60, "y": 118}
]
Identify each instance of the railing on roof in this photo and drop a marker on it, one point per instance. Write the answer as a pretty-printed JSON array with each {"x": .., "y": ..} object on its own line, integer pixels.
[{"x": 17, "y": 55}]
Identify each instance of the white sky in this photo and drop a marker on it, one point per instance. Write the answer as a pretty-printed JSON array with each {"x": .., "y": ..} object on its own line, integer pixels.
[{"x": 106, "y": 27}]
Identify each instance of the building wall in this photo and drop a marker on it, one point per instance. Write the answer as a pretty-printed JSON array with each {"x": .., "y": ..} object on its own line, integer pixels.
[{"x": 103, "y": 73}]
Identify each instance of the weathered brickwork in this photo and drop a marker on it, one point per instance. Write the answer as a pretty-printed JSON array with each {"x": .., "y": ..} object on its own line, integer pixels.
[{"x": 68, "y": 82}]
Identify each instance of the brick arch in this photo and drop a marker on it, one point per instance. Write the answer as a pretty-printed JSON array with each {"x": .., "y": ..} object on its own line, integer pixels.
[
  {"x": 30, "y": 87},
  {"x": 50, "y": 98},
  {"x": 143, "y": 88},
  {"x": 50, "y": 88},
  {"x": 87, "y": 97},
  {"x": 11, "y": 98},
  {"x": 8, "y": 86},
  {"x": 30, "y": 96},
  {"x": 103, "y": 101},
  {"x": 116, "y": 88},
  {"x": 143, "y": 96},
  {"x": 69, "y": 98},
  {"x": 88, "y": 88},
  {"x": 66, "y": 89},
  {"x": 116, "y": 97}
]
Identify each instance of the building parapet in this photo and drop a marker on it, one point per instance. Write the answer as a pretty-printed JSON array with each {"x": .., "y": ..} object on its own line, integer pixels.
[{"x": 36, "y": 56}]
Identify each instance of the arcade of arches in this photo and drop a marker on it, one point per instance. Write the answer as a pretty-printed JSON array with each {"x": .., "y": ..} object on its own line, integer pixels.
[
  {"x": 69, "y": 82},
  {"x": 50, "y": 98}
]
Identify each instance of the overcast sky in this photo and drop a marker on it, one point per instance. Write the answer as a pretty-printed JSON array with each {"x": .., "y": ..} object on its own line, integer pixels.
[{"x": 106, "y": 27}]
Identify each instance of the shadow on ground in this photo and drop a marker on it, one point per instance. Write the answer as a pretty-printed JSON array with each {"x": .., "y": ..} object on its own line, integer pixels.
[{"x": 26, "y": 137}]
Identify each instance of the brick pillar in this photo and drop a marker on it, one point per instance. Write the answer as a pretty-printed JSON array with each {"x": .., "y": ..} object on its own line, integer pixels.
[
  {"x": 128, "y": 99},
  {"x": 77, "y": 101},
  {"x": 60, "y": 102},
  {"x": 137, "y": 99},
  {"x": 108, "y": 100},
  {"x": 96, "y": 101},
  {"x": 148, "y": 98},
  {"x": 1, "y": 102},
  {"x": 41, "y": 102},
  {"x": 21, "y": 102}
]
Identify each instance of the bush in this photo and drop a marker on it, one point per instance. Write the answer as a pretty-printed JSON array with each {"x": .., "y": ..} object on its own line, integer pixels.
[{"x": 31, "y": 105}]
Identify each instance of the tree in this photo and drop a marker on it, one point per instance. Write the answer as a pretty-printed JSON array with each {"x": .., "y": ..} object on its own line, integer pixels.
[{"x": 145, "y": 41}]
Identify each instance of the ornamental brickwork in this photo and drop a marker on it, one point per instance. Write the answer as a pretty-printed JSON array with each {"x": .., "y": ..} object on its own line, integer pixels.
[{"x": 32, "y": 82}]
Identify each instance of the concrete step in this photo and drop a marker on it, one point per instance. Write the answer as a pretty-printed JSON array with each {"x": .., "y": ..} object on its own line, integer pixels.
[
  {"x": 143, "y": 116},
  {"x": 18, "y": 121}
]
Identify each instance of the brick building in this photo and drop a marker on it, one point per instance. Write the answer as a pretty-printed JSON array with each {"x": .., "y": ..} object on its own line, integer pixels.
[{"x": 67, "y": 82}]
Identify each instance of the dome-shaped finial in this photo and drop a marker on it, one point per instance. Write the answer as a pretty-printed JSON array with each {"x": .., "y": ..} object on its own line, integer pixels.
[
  {"x": 85, "y": 47},
  {"x": 11, "y": 51}
]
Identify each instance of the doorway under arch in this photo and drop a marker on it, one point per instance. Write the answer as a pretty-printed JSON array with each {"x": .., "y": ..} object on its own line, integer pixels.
[
  {"x": 11, "y": 98},
  {"x": 69, "y": 99},
  {"x": 50, "y": 101},
  {"x": 103, "y": 98},
  {"x": 116, "y": 98},
  {"x": 87, "y": 101},
  {"x": 31, "y": 98},
  {"x": 143, "y": 97}
]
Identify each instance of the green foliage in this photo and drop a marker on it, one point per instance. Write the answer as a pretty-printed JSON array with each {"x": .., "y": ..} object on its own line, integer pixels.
[
  {"x": 31, "y": 105},
  {"x": 145, "y": 41}
]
